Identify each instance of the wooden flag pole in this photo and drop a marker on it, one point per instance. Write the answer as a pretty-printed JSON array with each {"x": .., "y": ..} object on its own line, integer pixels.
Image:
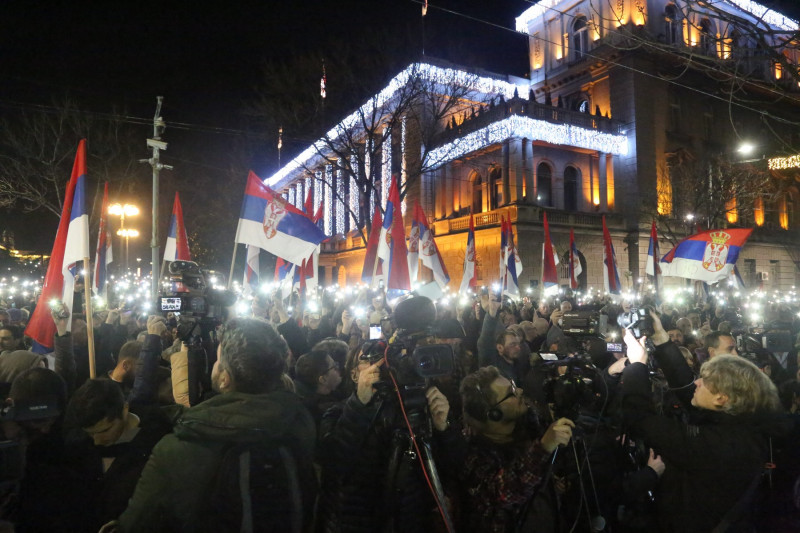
[
  {"x": 233, "y": 262},
  {"x": 87, "y": 281}
]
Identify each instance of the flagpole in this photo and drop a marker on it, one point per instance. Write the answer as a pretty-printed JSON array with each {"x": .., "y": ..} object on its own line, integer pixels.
[
  {"x": 233, "y": 262},
  {"x": 89, "y": 317}
]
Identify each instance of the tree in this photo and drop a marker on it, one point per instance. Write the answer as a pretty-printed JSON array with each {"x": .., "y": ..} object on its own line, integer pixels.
[
  {"x": 416, "y": 110},
  {"x": 709, "y": 193},
  {"x": 37, "y": 151}
]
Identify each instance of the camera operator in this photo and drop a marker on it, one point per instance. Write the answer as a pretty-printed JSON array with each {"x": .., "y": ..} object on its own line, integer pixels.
[
  {"x": 714, "y": 461},
  {"x": 505, "y": 461},
  {"x": 372, "y": 478}
]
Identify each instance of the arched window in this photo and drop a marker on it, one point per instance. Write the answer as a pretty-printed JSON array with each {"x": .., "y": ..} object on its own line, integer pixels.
[
  {"x": 477, "y": 192},
  {"x": 571, "y": 189},
  {"x": 496, "y": 187},
  {"x": 544, "y": 184},
  {"x": 672, "y": 25},
  {"x": 580, "y": 37},
  {"x": 706, "y": 37}
]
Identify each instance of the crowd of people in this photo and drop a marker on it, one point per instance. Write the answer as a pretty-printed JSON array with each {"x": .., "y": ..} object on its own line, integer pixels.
[{"x": 354, "y": 415}]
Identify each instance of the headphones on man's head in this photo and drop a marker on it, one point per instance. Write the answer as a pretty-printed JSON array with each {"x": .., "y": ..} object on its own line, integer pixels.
[{"x": 493, "y": 413}]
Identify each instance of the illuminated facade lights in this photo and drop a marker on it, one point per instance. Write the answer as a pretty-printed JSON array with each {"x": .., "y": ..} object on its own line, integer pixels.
[
  {"x": 782, "y": 163},
  {"x": 535, "y": 130},
  {"x": 426, "y": 72}
]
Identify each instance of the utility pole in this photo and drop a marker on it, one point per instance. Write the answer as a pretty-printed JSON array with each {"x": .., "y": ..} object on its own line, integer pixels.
[{"x": 156, "y": 144}]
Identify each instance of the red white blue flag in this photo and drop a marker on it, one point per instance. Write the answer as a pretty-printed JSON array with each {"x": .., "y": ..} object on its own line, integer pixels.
[
  {"x": 469, "y": 280},
  {"x": 610, "y": 273},
  {"x": 177, "y": 248},
  {"x": 707, "y": 256},
  {"x": 371, "y": 255},
  {"x": 70, "y": 247},
  {"x": 413, "y": 247},
  {"x": 103, "y": 255},
  {"x": 430, "y": 255},
  {"x": 251, "y": 271},
  {"x": 268, "y": 222},
  {"x": 392, "y": 246},
  {"x": 653, "y": 266},
  {"x": 575, "y": 268},
  {"x": 549, "y": 259},
  {"x": 513, "y": 263}
]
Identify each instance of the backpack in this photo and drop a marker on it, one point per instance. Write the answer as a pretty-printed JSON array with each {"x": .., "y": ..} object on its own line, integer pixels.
[{"x": 259, "y": 487}]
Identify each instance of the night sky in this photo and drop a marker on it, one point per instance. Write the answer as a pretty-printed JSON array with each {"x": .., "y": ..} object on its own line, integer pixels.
[{"x": 206, "y": 59}]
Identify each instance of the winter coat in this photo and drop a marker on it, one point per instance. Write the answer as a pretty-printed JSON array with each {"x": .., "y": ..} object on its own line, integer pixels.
[
  {"x": 172, "y": 492},
  {"x": 711, "y": 458}
]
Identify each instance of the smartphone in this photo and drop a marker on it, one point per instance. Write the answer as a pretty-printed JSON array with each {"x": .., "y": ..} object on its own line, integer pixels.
[
  {"x": 548, "y": 356},
  {"x": 375, "y": 331}
]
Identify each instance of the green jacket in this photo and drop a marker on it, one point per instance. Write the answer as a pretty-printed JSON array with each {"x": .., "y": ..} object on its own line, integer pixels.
[{"x": 171, "y": 493}]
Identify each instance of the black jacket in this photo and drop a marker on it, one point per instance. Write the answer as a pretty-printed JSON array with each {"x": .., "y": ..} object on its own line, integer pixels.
[{"x": 711, "y": 457}]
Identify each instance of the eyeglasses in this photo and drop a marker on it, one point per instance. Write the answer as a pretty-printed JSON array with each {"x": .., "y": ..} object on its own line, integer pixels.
[{"x": 511, "y": 394}]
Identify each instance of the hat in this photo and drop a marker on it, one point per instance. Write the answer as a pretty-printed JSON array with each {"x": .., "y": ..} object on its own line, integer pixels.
[{"x": 448, "y": 328}]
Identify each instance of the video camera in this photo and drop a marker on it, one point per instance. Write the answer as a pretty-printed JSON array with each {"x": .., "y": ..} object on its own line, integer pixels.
[
  {"x": 638, "y": 320},
  {"x": 567, "y": 391},
  {"x": 582, "y": 324},
  {"x": 193, "y": 299}
]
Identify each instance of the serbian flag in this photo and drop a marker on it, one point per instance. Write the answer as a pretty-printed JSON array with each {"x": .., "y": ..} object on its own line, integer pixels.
[
  {"x": 71, "y": 245},
  {"x": 372, "y": 251},
  {"x": 610, "y": 272},
  {"x": 270, "y": 223},
  {"x": 575, "y": 268},
  {"x": 430, "y": 255},
  {"x": 103, "y": 255},
  {"x": 413, "y": 247},
  {"x": 549, "y": 259},
  {"x": 736, "y": 279},
  {"x": 707, "y": 256},
  {"x": 177, "y": 248},
  {"x": 513, "y": 263},
  {"x": 652, "y": 267},
  {"x": 469, "y": 280},
  {"x": 392, "y": 245},
  {"x": 251, "y": 271}
]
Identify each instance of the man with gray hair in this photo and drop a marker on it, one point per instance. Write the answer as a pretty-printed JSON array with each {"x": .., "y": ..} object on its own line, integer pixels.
[{"x": 253, "y": 414}]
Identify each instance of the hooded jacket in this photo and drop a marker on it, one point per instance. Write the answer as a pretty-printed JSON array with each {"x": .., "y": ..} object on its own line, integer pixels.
[{"x": 172, "y": 491}]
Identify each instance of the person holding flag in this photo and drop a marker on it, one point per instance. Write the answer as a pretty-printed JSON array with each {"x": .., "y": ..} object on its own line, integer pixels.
[
  {"x": 469, "y": 279},
  {"x": 575, "y": 268},
  {"x": 103, "y": 255}
]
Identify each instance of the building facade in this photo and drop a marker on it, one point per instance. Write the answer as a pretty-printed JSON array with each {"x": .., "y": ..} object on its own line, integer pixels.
[{"x": 619, "y": 94}]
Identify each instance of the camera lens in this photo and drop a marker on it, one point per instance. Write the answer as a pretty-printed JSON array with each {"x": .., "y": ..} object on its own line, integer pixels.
[{"x": 426, "y": 362}]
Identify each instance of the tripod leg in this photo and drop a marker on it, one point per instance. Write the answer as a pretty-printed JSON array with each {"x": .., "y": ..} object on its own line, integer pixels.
[{"x": 436, "y": 482}]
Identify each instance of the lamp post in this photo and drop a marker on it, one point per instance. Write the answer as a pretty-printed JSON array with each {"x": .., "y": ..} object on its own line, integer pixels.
[{"x": 122, "y": 211}]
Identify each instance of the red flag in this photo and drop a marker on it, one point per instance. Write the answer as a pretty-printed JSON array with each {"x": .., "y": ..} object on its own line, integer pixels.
[
  {"x": 181, "y": 241},
  {"x": 308, "y": 207},
  {"x": 610, "y": 273},
  {"x": 372, "y": 247},
  {"x": 393, "y": 242},
  {"x": 41, "y": 327},
  {"x": 549, "y": 272},
  {"x": 318, "y": 214}
]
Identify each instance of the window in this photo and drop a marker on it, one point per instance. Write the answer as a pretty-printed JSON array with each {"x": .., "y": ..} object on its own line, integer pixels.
[
  {"x": 496, "y": 187},
  {"x": 571, "y": 189},
  {"x": 706, "y": 37},
  {"x": 477, "y": 193},
  {"x": 544, "y": 184},
  {"x": 580, "y": 38},
  {"x": 672, "y": 25}
]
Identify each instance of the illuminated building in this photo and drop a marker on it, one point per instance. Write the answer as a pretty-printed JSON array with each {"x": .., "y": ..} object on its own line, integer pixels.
[{"x": 616, "y": 89}]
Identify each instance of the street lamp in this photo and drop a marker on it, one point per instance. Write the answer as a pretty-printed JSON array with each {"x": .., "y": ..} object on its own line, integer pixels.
[{"x": 122, "y": 211}]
